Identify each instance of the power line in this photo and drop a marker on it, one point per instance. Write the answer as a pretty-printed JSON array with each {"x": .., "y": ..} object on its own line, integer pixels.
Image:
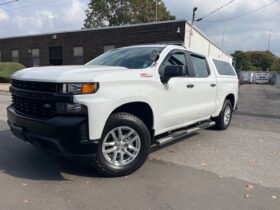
[
  {"x": 245, "y": 14},
  {"x": 216, "y": 10},
  {"x": 8, "y": 2}
]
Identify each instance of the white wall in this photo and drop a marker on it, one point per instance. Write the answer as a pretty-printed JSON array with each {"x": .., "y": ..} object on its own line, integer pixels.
[
  {"x": 200, "y": 43},
  {"x": 277, "y": 80}
]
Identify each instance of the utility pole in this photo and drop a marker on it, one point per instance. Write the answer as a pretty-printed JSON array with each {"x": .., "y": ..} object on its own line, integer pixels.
[
  {"x": 268, "y": 46},
  {"x": 191, "y": 30},
  {"x": 269, "y": 40},
  {"x": 223, "y": 40},
  {"x": 122, "y": 13}
]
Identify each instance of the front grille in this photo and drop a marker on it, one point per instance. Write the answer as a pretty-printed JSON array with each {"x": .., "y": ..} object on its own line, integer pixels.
[
  {"x": 39, "y": 108},
  {"x": 37, "y": 86},
  {"x": 32, "y": 106}
]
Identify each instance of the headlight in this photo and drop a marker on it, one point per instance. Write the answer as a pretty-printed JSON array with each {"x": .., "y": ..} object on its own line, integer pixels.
[{"x": 81, "y": 88}]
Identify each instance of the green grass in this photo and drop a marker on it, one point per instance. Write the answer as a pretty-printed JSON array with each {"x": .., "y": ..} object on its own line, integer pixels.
[{"x": 7, "y": 69}]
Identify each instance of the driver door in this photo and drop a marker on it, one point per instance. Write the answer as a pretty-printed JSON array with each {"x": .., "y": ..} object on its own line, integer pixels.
[{"x": 175, "y": 98}]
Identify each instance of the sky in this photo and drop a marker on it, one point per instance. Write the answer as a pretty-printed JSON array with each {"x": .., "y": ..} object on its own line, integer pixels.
[{"x": 24, "y": 17}]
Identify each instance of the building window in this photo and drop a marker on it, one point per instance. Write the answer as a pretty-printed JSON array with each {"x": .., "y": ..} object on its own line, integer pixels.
[
  {"x": 35, "y": 53},
  {"x": 15, "y": 56},
  {"x": 109, "y": 47},
  {"x": 78, "y": 55}
]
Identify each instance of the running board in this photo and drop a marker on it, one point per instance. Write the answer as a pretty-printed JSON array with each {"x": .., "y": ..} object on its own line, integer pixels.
[{"x": 182, "y": 133}]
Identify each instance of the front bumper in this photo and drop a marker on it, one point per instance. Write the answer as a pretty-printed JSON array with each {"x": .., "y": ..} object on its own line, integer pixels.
[{"x": 66, "y": 136}]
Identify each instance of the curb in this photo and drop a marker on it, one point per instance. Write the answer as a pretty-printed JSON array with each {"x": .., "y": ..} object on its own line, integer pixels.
[
  {"x": 4, "y": 87},
  {"x": 4, "y": 92}
]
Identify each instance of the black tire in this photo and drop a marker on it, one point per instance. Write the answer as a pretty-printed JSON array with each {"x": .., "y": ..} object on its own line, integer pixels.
[
  {"x": 220, "y": 122},
  {"x": 128, "y": 120}
]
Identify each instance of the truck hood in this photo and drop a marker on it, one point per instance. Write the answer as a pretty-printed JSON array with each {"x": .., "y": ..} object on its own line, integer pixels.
[{"x": 85, "y": 73}]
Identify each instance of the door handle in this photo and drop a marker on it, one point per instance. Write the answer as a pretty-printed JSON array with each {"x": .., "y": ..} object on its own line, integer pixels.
[
  {"x": 190, "y": 85},
  {"x": 213, "y": 85}
]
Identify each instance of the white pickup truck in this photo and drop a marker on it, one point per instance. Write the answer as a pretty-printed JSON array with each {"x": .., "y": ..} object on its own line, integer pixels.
[{"x": 113, "y": 109}]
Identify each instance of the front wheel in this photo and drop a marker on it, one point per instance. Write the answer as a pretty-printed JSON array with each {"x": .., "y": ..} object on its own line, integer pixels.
[
  {"x": 224, "y": 119},
  {"x": 124, "y": 146}
]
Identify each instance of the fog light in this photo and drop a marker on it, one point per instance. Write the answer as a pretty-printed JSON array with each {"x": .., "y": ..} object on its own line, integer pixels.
[
  {"x": 73, "y": 108},
  {"x": 63, "y": 108}
]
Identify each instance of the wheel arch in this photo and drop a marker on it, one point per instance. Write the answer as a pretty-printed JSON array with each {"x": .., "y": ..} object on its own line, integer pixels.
[
  {"x": 140, "y": 109},
  {"x": 220, "y": 102},
  {"x": 231, "y": 98}
]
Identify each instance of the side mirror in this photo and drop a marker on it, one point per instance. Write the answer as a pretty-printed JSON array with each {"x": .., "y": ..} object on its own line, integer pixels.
[
  {"x": 154, "y": 56},
  {"x": 172, "y": 71}
]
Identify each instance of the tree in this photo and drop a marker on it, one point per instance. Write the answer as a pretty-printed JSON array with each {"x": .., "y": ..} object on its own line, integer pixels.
[
  {"x": 256, "y": 61},
  {"x": 102, "y": 13},
  {"x": 276, "y": 65},
  {"x": 243, "y": 61}
]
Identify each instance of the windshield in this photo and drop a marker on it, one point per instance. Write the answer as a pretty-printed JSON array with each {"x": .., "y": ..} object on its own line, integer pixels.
[{"x": 132, "y": 58}]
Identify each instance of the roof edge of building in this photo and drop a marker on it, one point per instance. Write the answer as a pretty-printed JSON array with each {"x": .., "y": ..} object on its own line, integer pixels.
[{"x": 95, "y": 29}]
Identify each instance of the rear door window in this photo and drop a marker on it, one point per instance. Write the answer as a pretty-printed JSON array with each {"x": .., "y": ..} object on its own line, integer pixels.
[
  {"x": 200, "y": 66},
  {"x": 224, "y": 68}
]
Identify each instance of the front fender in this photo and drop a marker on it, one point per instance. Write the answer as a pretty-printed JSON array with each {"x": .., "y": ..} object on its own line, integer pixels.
[{"x": 99, "y": 110}]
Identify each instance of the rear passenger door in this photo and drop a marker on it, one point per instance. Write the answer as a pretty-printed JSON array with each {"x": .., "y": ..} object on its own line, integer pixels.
[{"x": 203, "y": 86}]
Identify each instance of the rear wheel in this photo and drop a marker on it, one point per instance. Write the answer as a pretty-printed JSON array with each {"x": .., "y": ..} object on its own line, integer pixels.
[
  {"x": 124, "y": 146},
  {"x": 224, "y": 119}
]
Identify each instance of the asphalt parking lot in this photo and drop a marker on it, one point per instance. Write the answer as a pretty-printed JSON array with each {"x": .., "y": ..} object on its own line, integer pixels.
[{"x": 234, "y": 169}]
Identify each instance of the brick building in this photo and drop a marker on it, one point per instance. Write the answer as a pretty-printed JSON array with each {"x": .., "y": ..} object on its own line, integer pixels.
[{"x": 79, "y": 47}]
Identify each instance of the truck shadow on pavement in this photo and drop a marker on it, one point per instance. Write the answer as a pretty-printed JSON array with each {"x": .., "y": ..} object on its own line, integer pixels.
[
  {"x": 19, "y": 159},
  {"x": 22, "y": 160},
  {"x": 252, "y": 114}
]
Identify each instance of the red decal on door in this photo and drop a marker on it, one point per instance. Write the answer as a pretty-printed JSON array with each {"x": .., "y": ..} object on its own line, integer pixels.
[{"x": 146, "y": 75}]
